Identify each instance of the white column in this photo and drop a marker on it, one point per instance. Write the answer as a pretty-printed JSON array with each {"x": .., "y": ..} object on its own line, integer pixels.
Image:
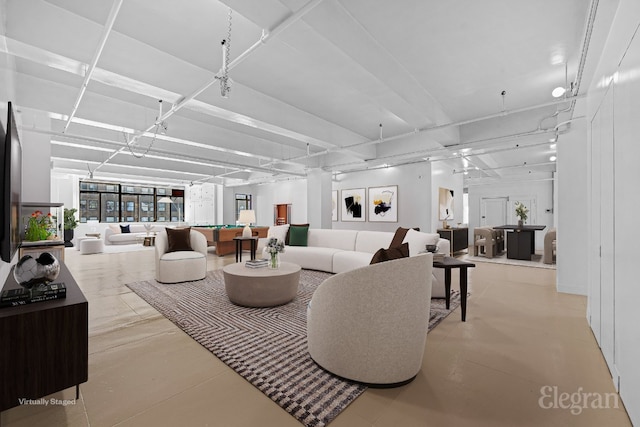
[{"x": 319, "y": 199}]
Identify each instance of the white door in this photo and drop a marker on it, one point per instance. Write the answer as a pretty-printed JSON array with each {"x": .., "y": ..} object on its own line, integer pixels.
[
  {"x": 493, "y": 211},
  {"x": 593, "y": 251},
  {"x": 607, "y": 201}
]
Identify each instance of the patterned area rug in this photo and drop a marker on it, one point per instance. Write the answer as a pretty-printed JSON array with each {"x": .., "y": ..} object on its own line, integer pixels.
[{"x": 266, "y": 346}]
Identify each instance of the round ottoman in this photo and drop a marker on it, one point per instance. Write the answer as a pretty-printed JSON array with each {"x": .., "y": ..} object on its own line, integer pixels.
[
  {"x": 91, "y": 246},
  {"x": 261, "y": 287},
  {"x": 80, "y": 239}
]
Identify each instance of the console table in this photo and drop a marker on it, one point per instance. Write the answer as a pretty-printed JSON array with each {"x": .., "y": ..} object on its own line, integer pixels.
[
  {"x": 458, "y": 238},
  {"x": 44, "y": 346}
]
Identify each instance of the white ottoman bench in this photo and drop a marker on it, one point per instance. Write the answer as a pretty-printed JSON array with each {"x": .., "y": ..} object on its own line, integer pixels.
[
  {"x": 91, "y": 246},
  {"x": 80, "y": 239}
]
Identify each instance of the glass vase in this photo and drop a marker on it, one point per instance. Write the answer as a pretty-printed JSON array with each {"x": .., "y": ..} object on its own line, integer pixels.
[{"x": 274, "y": 261}]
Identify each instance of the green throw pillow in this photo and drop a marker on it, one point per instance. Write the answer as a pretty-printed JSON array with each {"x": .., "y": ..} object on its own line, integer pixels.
[{"x": 298, "y": 235}]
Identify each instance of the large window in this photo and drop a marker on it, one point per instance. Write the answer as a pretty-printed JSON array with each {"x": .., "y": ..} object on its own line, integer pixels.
[{"x": 113, "y": 202}]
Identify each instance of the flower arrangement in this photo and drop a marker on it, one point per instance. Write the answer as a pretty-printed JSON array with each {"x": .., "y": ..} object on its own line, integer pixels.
[
  {"x": 521, "y": 211},
  {"x": 274, "y": 247},
  {"x": 39, "y": 227}
]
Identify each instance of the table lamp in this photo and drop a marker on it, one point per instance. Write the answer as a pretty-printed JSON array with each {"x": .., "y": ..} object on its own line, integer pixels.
[{"x": 246, "y": 217}]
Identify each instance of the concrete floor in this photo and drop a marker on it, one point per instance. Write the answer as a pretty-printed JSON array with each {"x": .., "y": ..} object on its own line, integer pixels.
[{"x": 520, "y": 336}]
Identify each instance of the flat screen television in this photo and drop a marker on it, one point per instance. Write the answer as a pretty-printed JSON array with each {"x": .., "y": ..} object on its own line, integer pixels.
[{"x": 11, "y": 188}]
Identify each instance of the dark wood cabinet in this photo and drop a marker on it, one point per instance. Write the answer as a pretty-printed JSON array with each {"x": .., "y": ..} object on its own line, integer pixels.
[
  {"x": 44, "y": 346},
  {"x": 458, "y": 238}
]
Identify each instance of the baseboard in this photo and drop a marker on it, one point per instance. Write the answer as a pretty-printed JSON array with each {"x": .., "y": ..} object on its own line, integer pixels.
[{"x": 571, "y": 289}]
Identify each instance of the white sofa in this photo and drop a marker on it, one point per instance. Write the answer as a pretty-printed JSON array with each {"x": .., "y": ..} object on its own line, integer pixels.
[
  {"x": 337, "y": 251},
  {"x": 114, "y": 236}
]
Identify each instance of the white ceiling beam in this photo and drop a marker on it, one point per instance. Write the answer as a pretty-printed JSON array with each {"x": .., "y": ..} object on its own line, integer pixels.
[
  {"x": 96, "y": 57},
  {"x": 263, "y": 40}
]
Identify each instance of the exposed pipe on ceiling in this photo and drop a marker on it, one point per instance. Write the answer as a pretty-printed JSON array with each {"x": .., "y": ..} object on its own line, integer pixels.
[
  {"x": 444, "y": 126},
  {"x": 115, "y": 9},
  {"x": 262, "y": 41}
]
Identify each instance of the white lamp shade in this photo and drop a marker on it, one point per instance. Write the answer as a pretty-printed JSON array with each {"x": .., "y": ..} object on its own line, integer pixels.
[
  {"x": 246, "y": 217},
  {"x": 165, "y": 200}
]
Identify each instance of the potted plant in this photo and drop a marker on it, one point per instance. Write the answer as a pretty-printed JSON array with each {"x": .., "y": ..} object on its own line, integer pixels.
[
  {"x": 521, "y": 212},
  {"x": 70, "y": 223}
]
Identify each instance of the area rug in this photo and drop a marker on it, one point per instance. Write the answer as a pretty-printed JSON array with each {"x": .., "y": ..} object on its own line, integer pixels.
[{"x": 266, "y": 346}]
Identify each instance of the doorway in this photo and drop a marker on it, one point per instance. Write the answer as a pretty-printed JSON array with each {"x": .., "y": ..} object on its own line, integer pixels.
[{"x": 281, "y": 214}]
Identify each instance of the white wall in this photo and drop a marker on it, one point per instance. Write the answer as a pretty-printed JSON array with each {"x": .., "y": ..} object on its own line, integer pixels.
[
  {"x": 571, "y": 210},
  {"x": 265, "y": 196},
  {"x": 614, "y": 320},
  {"x": 36, "y": 160},
  {"x": 415, "y": 201},
  {"x": 539, "y": 186},
  {"x": 200, "y": 201}
]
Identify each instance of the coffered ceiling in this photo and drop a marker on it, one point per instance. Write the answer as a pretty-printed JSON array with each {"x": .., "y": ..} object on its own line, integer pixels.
[{"x": 340, "y": 85}]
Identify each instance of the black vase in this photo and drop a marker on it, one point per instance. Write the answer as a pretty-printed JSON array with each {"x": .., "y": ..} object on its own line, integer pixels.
[{"x": 68, "y": 237}]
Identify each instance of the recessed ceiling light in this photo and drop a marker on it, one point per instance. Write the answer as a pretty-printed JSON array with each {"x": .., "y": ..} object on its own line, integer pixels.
[
  {"x": 466, "y": 172},
  {"x": 552, "y": 146},
  {"x": 558, "y": 92},
  {"x": 552, "y": 158}
]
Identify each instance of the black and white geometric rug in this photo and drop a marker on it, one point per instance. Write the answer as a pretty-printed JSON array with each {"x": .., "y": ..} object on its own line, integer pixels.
[{"x": 266, "y": 346}]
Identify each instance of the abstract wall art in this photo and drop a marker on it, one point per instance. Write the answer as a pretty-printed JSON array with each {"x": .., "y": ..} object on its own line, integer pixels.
[
  {"x": 383, "y": 204},
  {"x": 445, "y": 202},
  {"x": 352, "y": 205},
  {"x": 334, "y": 205}
]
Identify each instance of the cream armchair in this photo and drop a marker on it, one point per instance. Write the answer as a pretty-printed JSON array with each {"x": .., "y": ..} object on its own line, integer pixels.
[
  {"x": 549, "y": 256},
  {"x": 181, "y": 266},
  {"x": 484, "y": 242},
  {"x": 370, "y": 324}
]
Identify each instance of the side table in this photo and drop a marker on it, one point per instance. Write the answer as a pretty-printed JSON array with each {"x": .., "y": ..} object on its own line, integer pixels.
[
  {"x": 449, "y": 263},
  {"x": 239, "y": 243}
]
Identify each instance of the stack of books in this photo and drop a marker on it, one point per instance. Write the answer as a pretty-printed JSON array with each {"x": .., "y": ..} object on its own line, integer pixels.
[
  {"x": 16, "y": 297},
  {"x": 256, "y": 263}
]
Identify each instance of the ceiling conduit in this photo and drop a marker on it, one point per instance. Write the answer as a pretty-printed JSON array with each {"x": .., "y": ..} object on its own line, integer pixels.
[
  {"x": 115, "y": 9},
  {"x": 266, "y": 36}
]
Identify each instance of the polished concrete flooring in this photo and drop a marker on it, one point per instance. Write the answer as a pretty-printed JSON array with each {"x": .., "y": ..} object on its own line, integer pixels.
[{"x": 521, "y": 337}]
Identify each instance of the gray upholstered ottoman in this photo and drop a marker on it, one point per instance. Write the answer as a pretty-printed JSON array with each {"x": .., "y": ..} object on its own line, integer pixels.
[{"x": 261, "y": 287}]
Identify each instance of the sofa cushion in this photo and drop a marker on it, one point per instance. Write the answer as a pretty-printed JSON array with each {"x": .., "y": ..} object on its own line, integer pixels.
[
  {"x": 310, "y": 258},
  {"x": 179, "y": 239},
  {"x": 349, "y": 260},
  {"x": 337, "y": 239},
  {"x": 125, "y": 229},
  {"x": 418, "y": 241},
  {"x": 398, "y": 238},
  {"x": 279, "y": 232},
  {"x": 397, "y": 252},
  {"x": 124, "y": 238},
  {"x": 298, "y": 235},
  {"x": 115, "y": 228},
  {"x": 371, "y": 241}
]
